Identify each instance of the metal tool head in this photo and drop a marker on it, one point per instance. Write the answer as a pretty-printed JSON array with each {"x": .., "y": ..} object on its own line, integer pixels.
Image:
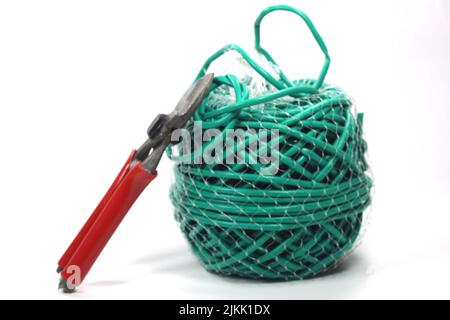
[
  {"x": 183, "y": 111},
  {"x": 159, "y": 132},
  {"x": 190, "y": 101}
]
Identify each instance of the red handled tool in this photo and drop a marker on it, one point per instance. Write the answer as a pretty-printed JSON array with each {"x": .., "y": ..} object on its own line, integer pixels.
[{"x": 139, "y": 170}]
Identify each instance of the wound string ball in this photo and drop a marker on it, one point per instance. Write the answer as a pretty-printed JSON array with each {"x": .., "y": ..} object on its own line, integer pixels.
[{"x": 289, "y": 219}]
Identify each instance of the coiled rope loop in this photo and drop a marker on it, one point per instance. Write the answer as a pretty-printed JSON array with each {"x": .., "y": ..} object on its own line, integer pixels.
[{"x": 299, "y": 221}]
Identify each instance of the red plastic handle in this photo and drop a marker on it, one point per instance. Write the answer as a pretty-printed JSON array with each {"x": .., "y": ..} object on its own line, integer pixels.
[{"x": 99, "y": 228}]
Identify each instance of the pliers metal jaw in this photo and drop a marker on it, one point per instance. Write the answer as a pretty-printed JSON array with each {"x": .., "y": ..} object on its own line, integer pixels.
[
  {"x": 160, "y": 130},
  {"x": 138, "y": 171}
]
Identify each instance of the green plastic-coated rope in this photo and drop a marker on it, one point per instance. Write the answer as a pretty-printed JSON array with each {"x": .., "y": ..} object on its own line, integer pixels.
[{"x": 299, "y": 221}]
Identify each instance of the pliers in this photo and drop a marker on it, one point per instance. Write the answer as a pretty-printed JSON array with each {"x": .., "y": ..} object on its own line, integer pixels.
[{"x": 138, "y": 171}]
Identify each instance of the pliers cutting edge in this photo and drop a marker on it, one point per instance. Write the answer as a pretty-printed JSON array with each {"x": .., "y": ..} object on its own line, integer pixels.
[{"x": 139, "y": 170}]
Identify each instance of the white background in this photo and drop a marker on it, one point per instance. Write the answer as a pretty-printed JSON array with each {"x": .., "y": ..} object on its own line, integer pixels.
[{"x": 80, "y": 81}]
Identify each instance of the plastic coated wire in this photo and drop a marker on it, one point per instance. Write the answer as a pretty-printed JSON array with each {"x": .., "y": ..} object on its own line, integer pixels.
[{"x": 292, "y": 224}]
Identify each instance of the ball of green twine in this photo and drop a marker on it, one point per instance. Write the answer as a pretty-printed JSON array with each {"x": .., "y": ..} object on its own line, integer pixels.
[{"x": 297, "y": 222}]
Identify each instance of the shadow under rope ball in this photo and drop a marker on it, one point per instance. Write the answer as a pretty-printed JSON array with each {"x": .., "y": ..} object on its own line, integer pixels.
[{"x": 301, "y": 220}]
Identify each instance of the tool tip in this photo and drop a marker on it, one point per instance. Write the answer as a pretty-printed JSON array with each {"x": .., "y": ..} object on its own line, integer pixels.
[
  {"x": 59, "y": 269},
  {"x": 207, "y": 79},
  {"x": 209, "y": 76}
]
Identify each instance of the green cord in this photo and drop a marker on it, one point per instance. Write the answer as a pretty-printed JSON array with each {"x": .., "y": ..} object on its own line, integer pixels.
[{"x": 299, "y": 221}]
